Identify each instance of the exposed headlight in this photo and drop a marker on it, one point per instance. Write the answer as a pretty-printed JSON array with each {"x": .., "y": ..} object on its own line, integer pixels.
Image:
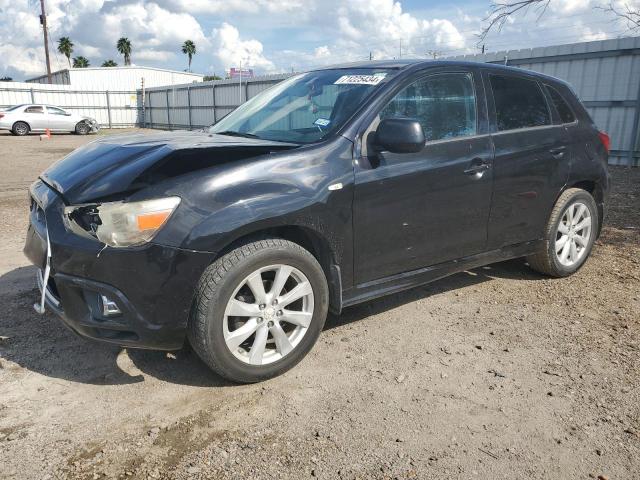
[{"x": 121, "y": 224}]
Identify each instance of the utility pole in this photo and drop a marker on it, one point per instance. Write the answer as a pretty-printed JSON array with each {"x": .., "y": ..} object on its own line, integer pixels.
[
  {"x": 43, "y": 22},
  {"x": 370, "y": 56},
  {"x": 400, "y": 49}
]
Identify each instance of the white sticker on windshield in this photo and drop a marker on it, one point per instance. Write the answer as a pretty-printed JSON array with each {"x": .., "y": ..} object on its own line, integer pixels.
[
  {"x": 322, "y": 122},
  {"x": 360, "y": 79}
]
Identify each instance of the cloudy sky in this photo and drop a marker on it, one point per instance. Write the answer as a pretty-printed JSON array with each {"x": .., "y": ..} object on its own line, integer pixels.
[{"x": 272, "y": 36}]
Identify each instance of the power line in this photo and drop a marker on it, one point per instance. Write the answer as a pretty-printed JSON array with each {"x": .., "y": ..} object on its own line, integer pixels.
[
  {"x": 55, "y": 51},
  {"x": 492, "y": 49}
]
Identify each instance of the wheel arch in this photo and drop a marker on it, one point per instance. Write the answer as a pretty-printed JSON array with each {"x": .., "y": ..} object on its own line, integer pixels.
[
  {"x": 309, "y": 239},
  {"x": 21, "y": 121},
  {"x": 595, "y": 189}
]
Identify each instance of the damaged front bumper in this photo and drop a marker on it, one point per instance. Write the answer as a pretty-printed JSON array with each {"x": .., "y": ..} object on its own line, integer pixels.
[
  {"x": 94, "y": 126},
  {"x": 137, "y": 297}
]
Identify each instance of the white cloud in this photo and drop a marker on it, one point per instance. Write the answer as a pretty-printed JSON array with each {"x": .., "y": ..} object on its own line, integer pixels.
[
  {"x": 156, "y": 33},
  {"x": 278, "y": 35},
  {"x": 390, "y": 24},
  {"x": 86, "y": 50},
  {"x": 234, "y": 6},
  {"x": 27, "y": 61},
  {"x": 155, "y": 55},
  {"x": 231, "y": 50},
  {"x": 322, "y": 52}
]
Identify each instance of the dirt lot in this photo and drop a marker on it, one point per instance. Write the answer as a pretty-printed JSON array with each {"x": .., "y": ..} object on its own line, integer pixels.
[{"x": 493, "y": 373}]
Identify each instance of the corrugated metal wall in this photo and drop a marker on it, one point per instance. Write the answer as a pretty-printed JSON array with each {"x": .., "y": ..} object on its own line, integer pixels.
[
  {"x": 112, "y": 109},
  {"x": 201, "y": 104},
  {"x": 605, "y": 75}
]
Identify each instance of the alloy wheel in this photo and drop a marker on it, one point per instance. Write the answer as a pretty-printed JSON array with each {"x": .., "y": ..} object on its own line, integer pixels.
[
  {"x": 268, "y": 314},
  {"x": 573, "y": 234}
]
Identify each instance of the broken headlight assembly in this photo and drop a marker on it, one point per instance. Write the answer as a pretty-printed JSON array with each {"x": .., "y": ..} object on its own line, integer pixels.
[{"x": 121, "y": 224}]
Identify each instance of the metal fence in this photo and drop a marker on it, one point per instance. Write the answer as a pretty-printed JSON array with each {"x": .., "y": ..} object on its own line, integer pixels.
[
  {"x": 111, "y": 109},
  {"x": 197, "y": 105},
  {"x": 606, "y": 76}
]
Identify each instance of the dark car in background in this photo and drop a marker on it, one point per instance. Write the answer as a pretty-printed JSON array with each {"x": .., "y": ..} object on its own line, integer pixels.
[{"x": 331, "y": 188}]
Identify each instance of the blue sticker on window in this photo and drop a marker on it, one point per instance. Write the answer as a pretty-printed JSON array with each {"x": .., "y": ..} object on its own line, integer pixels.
[{"x": 322, "y": 122}]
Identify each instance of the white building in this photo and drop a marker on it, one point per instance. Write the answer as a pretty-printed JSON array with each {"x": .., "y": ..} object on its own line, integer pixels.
[{"x": 117, "y": 78}]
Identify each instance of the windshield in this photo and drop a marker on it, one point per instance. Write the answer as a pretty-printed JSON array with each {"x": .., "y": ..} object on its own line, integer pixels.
[
  {"x": 10, "y": 109},
  {"x": 305, "y": 108}
]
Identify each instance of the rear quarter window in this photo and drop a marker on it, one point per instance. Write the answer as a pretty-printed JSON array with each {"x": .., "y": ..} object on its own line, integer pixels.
[
  {"x": 519, "y": 103},
  {"x": 563, "y": 108}
]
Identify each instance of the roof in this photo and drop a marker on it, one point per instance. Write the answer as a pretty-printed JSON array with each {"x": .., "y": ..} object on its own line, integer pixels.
[
  {"x": 119, "y": 67},
  {"x": 418, "y": 63}
]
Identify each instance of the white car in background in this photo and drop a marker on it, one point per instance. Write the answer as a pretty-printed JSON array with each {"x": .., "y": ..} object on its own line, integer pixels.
[{"x": 23, "y": 119}]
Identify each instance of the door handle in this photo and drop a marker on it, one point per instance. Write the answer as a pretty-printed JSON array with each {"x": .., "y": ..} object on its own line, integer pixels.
[
  {"x": 558, "y": 152},
  {"x": 477, "y": 167}
]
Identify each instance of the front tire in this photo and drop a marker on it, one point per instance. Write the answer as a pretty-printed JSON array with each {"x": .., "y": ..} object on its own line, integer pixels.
[
  {"x": 21, "y": 129},
  {"x": 258, "y": 310},
  {"x": 569, "y": 235},
  {"x": 82, "y": 128}
]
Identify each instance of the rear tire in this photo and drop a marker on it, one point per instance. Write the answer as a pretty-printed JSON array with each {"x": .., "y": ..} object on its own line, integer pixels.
[
  {"x": 20, "y": 128},
  {"x": 246, "y": 278},
  {"x": 569, "y": 235}
]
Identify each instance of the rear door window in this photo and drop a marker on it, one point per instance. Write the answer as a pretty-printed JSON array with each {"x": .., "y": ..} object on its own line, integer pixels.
[
  {"x": 34, "y": 110},
  {"x": 563, "y": 108},
  {"x": 519, "y": 103},
  {"x": 56, "y": 111},
  {"x": 444, "y": 104}
]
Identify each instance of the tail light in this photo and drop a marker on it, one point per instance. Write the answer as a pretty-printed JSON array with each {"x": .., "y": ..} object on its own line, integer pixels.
[
  {"x": 606, "y": 140},
  {"x": 1, "y": 115}
]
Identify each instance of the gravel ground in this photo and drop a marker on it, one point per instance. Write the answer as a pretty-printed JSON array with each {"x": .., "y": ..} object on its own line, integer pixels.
[{"x": 493, "y": 373}]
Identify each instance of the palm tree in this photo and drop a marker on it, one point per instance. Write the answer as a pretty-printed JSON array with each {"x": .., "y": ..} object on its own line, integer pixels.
[
  {"x": 109, "y": 63},
  {"x": 65, "y": 47},
  {"x": 124, "y": 48},
  {"x": 80, "y": 62},
  {"x": 189, "y": 49}
]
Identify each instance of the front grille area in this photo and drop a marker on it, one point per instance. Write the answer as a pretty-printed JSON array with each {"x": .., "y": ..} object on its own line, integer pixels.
[{"x": 51, "y": 293}]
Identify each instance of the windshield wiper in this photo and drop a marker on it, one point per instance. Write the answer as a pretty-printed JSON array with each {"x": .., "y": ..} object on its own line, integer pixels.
[{"x": 233, "y": 133}]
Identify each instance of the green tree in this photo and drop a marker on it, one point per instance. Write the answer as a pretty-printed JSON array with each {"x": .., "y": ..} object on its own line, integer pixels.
[
  {"x": 65, "y": 47},
  {"x": 208, "y": 78},
  {"x": 6, "y": 79},
  {"x": 109, "y": 63},
  {"x": 189, "y": 49},
  {"x": 80, "y": 62},
  {"x": 124, "y": 48}
]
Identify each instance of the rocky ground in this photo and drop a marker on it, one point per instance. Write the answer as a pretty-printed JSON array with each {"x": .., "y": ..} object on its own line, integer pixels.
[{"x": 492, "y": 373}]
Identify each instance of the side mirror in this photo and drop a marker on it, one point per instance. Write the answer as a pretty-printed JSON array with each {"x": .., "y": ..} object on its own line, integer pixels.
[{"x": 400, "y": 135}]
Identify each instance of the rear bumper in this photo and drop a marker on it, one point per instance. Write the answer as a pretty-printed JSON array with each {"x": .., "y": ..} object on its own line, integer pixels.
[{"x": 152, "y": 285}]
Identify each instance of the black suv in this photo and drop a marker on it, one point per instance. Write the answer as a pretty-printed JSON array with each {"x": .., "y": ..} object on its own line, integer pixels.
[{"x": 331, "y": 188}]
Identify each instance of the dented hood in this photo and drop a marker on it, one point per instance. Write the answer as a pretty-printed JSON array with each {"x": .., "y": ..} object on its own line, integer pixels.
[{"x": 118, "y": 164}]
